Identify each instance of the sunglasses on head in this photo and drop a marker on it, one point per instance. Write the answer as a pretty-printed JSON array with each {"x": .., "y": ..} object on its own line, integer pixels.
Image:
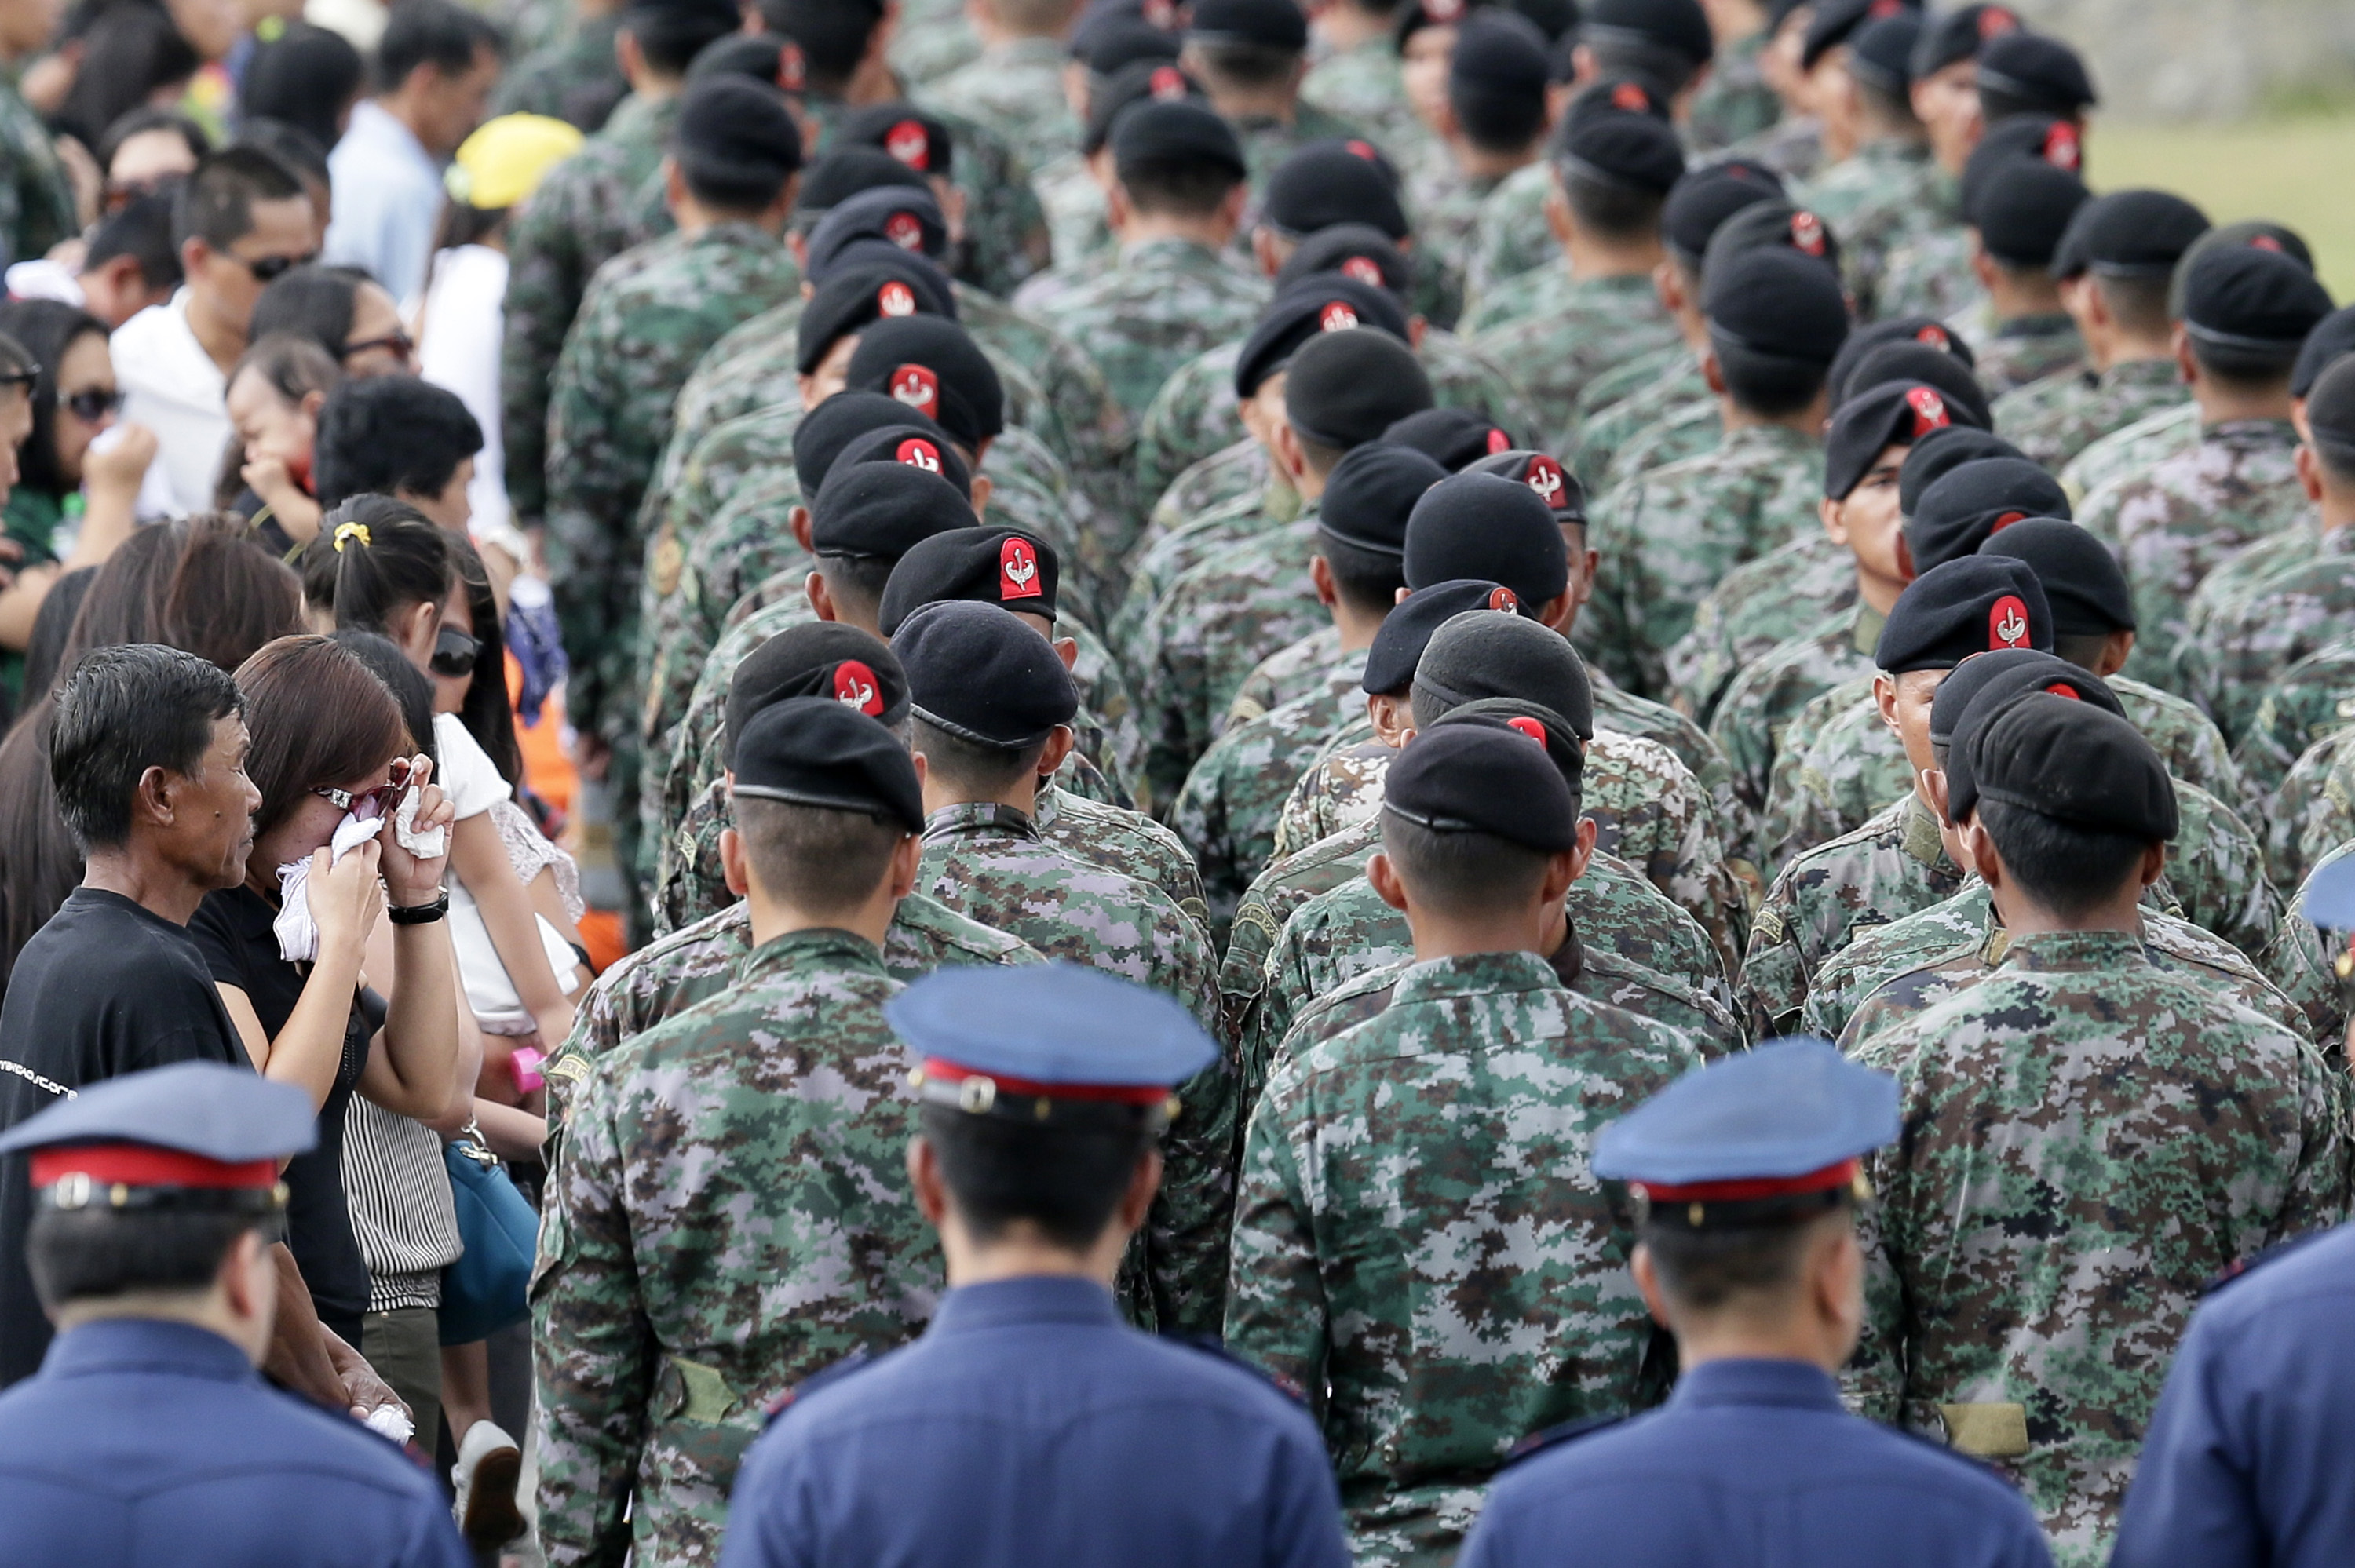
[
  {"x": 454, "y": 654},
  {"x": 367, "y": 804},
  {"x": 269, "y": 269},
  {"x": 397, "y": 344},
  {"x": 91, "y": 404}
]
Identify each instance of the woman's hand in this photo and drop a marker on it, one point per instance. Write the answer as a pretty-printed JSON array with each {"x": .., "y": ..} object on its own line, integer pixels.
[
  {"x": 409, "y": 880},
  {"x": 346, "y": 899},
  {"x": 114, "y": 469}
]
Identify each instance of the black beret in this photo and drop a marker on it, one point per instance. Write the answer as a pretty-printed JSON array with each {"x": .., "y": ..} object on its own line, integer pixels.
[
  {"x": 1115, "y": 42},
  {"x": 1005, "y": 566},
  {"x": 981, "y": 675},
  {"x": 933, "y": 366},
  {"x": 1532, "y": 721},
  {"x": 734, "y": 131},
  {"x": 1270, "y": 23},
  {"x": 1880, "y": 52},
  {"x": 913, "y": 440},
  {"x": 882, "y": 510},
  {"x": 1407, "y": 631},
  {"x": 1941, "y": 452},
  {"x": 1499, "y": 58},
  {"x": 2258, "y": 233},
  {"x": 1353, "y": 249},
  {"x": 1176, "y": 133},
  {"x": 1622, "y": 91},
  {"x": 765, "y": 57},
  {"x": 1705, "y": 197},
  {"x": 1326, "y": 182},
  {"x": 2083, "y": 581},
  {"x": 1479, "y": 653},
  {"x": 1959, "y": 34},
  {"x": 2023, "y": 209},
  {"x": 1372, "y": 492},
  {"x": 1892, "y": 414},
  {"x": 847, "y": 171},
  {"x": 1864, "y": 340},
  {"x": 816, "y": 659},
  {"x": 1628, "y": 151},
  {"x": 1318, "y": 303},
  {"x": 2039, "y": 138},
  {"x": 826, "y": 431},
  {"x": 910, "y": 135},
  {"x": 816, "y": 751},
  {"x": 1960, "y": 689},
  {"x": 1909, "y": 360},
  {"x": 1772, "y": 226},
  {"x": 1777, "y": 303},
  {"x": 871, "y": 252},
  {"x": 1146, "y": 81},
  {"x": 2037, "y": 71},
  {"x": 1835, "y": 22},
  {"x": 905, "y": 214},
  {"x": 1982, "y": 695},
  {"x": 1555, "y": 485},
  {"x": 1970, "y": 606},
  {"x": 1472, "y": 778},
  {"x": 2240, "y": 297},
  {"x": 852, "y": 297},
  {"x": 1345, "y": 388},
  {"x": 1481, "y": 526},
  {"x": 1414, "y": 16},
  {"x": 1453, "y": 437},
  {"x": 1974, "y": 501},
  {"x": 2070, "y": 762},
  {"x": 2333, "y": 337},
  {"x": 1680, "y": 27},
  {"x": 2130, "y": 234},
  {"x": 2330, "y": 416}
]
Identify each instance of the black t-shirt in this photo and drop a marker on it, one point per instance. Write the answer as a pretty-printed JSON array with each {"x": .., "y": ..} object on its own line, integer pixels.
[
  {"x": 232, "y": 930},
  {"x": 105, "y": 987}
]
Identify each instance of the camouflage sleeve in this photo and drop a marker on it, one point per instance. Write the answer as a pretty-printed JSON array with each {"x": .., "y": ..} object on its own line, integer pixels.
[
  {"x": 1773, "y": 984},
  {"x": 2319, "y": 1189},
  {"x": 1276, "y": 1311},
  {"x": 543, "y": 285},
  {"x": 583, "y": 543},
  {"x": 1874, "y": 1379},
  {"x": 594, "y": 1350},
  {"x": 1186, "y": 1233}
]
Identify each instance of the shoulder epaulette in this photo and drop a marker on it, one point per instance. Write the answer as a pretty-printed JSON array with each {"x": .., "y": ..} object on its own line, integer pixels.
[
  {"x": 1539, "y": 1442},
  {"x": 857, "y": 1360},
  {"x": 2255, "y": 1261},
  {"x": 1211, "y": 1345}
]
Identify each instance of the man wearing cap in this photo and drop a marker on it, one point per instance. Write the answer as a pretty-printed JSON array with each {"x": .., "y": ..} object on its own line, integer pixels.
[
  {"x": 1497, "y": 116},
  {"x": 1461, "y": 1169},
  {"x": 2246, "y": 313},
  {"x": 1748, "y": 1186},
  {"x": 2097, "y": 1136},
  {"x": 147, "y": 1435},
  {"x": 1856, "y": 59},
  {"x": 1356, "y": 75},
  {"x": 1016, "y": 87},
  {"x": 698, "y": 1153},
  {"x": 1035, "y": 1161},
  {"x": 1735, "y": 100},
  {"x": 1776, "y": 320}
]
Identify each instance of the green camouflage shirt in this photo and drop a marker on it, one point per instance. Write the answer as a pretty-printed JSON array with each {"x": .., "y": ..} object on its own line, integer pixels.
[
  {"x": 2314, "y": 811},
  {"x": 1077, "y": 235},
  {"x": 2133, "y": 450},
  {"x": 1770, "y": 692},
  {"x": 1510, "y": 239},
  {"x": 2055, "y": 419},
  {"x": 575, "y": 79},
  {"x": 731, "y": 1213},
  {"x": 1735, "y": 102},
  {"x": 1571, "y": 331},
  {"x": 1658, "y": 389},
  {"x": 37, "y": 198},
  {"x": 2027, "y": 349},
  {"x": 1166, "y": 301},
  {"x": 2090, "y": 1141},
  {"x": 1754, "y": 609},
  {"x": 1794, "y": 148},
  {"x": 1362, "y": 86},
  {"x": 2305, "y": 704},
  {"x": 1929, "y": 274},
  {"x": 1288, "y": 673},
  {"x": 2261, "y": 611},
  {"x": 1420, "y": 1246},
  {"x": 2302, "y": 960},
  {"x": 1165, "y": 554},
  {"x": 1887, "y": 194},
  {"x": 932, "y": 40},
  {"x": 1015, "y": 89}
]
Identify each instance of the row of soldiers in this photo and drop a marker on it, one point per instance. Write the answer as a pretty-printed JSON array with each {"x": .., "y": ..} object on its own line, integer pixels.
[{"x": 1888, "y": 545}]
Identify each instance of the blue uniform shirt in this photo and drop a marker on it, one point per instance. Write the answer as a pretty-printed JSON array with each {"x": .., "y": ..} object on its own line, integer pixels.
[
  {"x": 142, "y": 1444},
  {"x": 1029, "y": 1425},
  {"x": 1752, "y": 1462},
  {"x": 2247, "y": 1462}
]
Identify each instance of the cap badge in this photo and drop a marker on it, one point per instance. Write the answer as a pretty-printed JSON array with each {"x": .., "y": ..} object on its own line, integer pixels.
[
  {"x": 1363, "y": 149},
  {"x": 909, "y": 142},
  {"x": 1881, "y": 10},
  {"x": 2265, "y": 242},
  {"x": 2063, "y": 150},
  {"x": 1807, "y": 232},
  {"x": 2008, "y": 622},
  {"x": 905, "y": 230},
  {"x": 1544, "y": 477},
  {"x": 1017, "y": 570},
  {"x": 2063, "y": 689},
  {"x": 2006, "y": 521},
  {"x": 917, "y": 386},
  {"x": 792, "y": 72},
  {"x": 855, "y": 686},
  {"x": 1498, "y": 441},
  {"x": 1936, "y": 337},
  {"x": 1929, "y": 411},
  {"x": 1167, "y": 84},
  {"x": 1337, "y": 316},
  {"x": 1443, "y": 11},
  {"x": 1631, "y": 97},
  {"x": 1505, "y": 600},
  {"x": 918, "y": 452},
  {"x": 1994, "y": 22},
  {"x": 896, "y": 298},
  {"x": 1162, "y": 14},
  {"x": 1528, "y": 726},
  {"x": 1364, "y": 270}
]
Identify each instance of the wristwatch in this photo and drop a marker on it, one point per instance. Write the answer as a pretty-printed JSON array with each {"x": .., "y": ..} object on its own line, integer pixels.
[{"x": 418, "y": 913}]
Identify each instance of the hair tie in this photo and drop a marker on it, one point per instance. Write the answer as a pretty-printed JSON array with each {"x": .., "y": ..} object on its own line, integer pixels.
[{"x": 352, "y": 531}]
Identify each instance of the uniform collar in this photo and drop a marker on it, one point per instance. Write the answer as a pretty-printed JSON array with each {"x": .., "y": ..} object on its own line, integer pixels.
[
  {"x": 1918, "y": 833},
  {"x": 1772, "y": 438},
  {"x": 2251, "y": 433},
  {"x": 795, "y": 950},
  {"x": 1864, "y": 630},
  {"x": 1474, "y": 974},
  {"x": 733, "y": 232},
  {"x": 2050, "y": 323},
  {"x": 145, "y": 1344},
  {"x": 1026, "y": 51},
  {"x": 1031, "y": 1299},
  {"x": 2140, "y": 373},
  {"x": 1174, "y": 248},
  {"x": 972, "y": 817},
  {"x": 1756, "y": 1380},
  {"x": 2059, "y": 952}
]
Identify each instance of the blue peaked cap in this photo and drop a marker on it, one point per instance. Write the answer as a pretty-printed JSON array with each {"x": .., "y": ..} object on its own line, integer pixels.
[
  {"x": 1785, "y": 1109},
  {"x": 1056, "y": 1023},
  {"x": 211, "y": 1109}
]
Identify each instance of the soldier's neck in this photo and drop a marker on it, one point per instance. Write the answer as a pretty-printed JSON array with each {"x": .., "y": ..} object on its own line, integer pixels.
[
  {"x": 1281, "y": 104},
  {"x": 772, "y": 918},
  {"x": 2024, "y": 917},
  {"x": 1151, "y": 227},
  {"x": 1519, "y": 930},
  {"x": 1590, "y": 256},
  {"x": 2017, "y": 294},
  {"x": 2337, "y": 505},
  {"x": 1807, "y": 421},
  {"x": 1482, "y": 164},
  {"x": 940, "y": 794},
  {"x": 2223, "y": 404}
]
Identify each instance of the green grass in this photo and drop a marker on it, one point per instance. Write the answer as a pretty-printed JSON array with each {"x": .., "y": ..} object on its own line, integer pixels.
[{"x": 2291, "y": 168}]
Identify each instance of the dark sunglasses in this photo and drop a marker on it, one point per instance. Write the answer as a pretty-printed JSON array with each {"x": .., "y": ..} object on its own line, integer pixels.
[
  {"x": 454, "y": 654},
  {"x": 398, "y": 343},
  {"x": 269, "y": 269},
  {"x": 367, "y": 804},
  {"x": 91, "y": 404}
]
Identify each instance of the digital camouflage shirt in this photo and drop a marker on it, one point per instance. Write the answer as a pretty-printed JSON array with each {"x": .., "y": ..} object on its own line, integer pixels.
[
  {"x": 1771, "y": 690},
  {"x": 2133, "y": 450},
  {"x": 2307, "y": 703},
  {"x": 1754, "y": 609},
  {"x": 1164, "y": 302},
  {"x": 2264, "y": 610},
  {"x": 2055, "y": 419},
  {"x": 1568, "y": 331}
]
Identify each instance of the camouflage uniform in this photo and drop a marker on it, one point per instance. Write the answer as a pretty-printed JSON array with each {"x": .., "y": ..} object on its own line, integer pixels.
[
  {"x": 729, "y": 1215},
  {"x": 1571, "y": 331},
  {"x": 1164, "y": 554},
  {"x": 1793, "y": 149},
  {"x": 1293, "y": 672},
  {"x": 1414, "y": 1194},
  {"x": 1015, "y": 90},
  {"x": 583, "y": 214},
  {"x": 2053, "y": 419},
  {"x": 2178, "y": 521},
  {"x": 1886, "y": 194},
  {"x": 1362, "y": 86},
  {"x": 1666, "y": 539},
  {"x": 1166, "y": 301},
  {"x": 1657, "y": 387},
  {"x": 2088, "y": 1140},
  {"x": 1754, "y": 609},
  {"x": 1734, "y": 104},
  {"x": 1077, "y": 231},
  {"x": 987, "y": 861},
  {"x": 576, "y": 80},
  {"x": 932, "y": 40},
  {"x": 1771, "y": 690},
  {"x": 2026, "y": 350},
  {"x": 36, "y": 200},
  {"x": 2133, "y": 450},
  {"x": 2261, "y": 611},
  {"x": 1930, "y": 275},
  {"x": 2314, "y": 811},
  {"x": 2311, "y": 700}
]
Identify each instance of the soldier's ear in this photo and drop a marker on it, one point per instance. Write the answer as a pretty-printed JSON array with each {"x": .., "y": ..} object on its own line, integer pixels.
[
  {"x": 1387, "y": 886},
  {"x": 732, "y": 862}
]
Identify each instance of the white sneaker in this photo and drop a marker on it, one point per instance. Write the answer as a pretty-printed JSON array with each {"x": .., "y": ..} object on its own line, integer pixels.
[{"x": 488, "y": 1464}]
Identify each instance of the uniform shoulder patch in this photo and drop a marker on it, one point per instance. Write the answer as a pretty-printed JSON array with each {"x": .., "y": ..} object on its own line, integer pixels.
[
  {"x": 1551, "y": 1437},
  {"x": 2252, "y": 1263},
  {"x": 857, "y": 1360},
  {"x": 1211, "y": 1345}
]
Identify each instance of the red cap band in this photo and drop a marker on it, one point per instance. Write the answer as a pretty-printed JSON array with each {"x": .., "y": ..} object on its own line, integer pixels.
[
  {"x": 140, "y": 1165},
  {"x": 1823, "y": 1181},
  {"x": 947, "y": 1072}
]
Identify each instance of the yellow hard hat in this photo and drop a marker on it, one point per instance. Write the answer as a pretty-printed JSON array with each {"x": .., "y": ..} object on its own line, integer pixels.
[{"x": 504, "y": 159}]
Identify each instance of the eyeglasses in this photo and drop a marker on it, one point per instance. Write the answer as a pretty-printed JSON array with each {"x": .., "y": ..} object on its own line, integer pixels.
[
  {"x": 91, "y": 404},
  {"x": 367, "y": 804},
  {"x": 454, "y": 654},
  {"x": 399, "y": 345},
  {"x": 269, "y": 269}
]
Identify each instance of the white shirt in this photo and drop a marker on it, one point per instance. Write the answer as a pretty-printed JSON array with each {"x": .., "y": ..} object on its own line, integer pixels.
[
  {"x": 458, "y": 348},
  {"x": 387, "y": 201},
  {"x": 472, "y": 781},
  {"x": 171, "y": 386}
]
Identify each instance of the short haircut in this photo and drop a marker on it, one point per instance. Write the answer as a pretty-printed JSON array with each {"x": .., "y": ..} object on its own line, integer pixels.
[
  {"x": 430, "y": 33},
  {"x": 122, "y": 710},
  {"x": 1884, "y": 106},
  {"x": 1243, "y": 65},
  {"x": 1610, "y": 210},
  {"x": 2067, "y": 869},
  {"x": 2083, "y": 648},
  {"x": 305, "y": 155},
  {"x": 1501, "y": 122},
  {"x": 1703, "y": 1270},
  {"x": 2254, "y": 369},
  {"x": 216, "y": 204},
  {"x": 857, "y": 582},
  {"x": 1671, "y": 70},
  {"x": 1773, "y": 385},
  {"x": 390, "y": 433},
  {"x": 140, "y": 229},
  {"x": 89, "y": 1255},
  {"x": 319, "y": 719},
  {"x": 314, "y": 301},
  {"x": 293, "y": 366},
  {"x": 1067, "y": 1181},
  {"x": 139, "y": 123},
  {"x": 1367, "y": 580},
  {"x": 1459, "y": 873},
  {"x": 304, "y": 79},
  {"x": 1168, "y": 187},
  {"x": 972, "y": 766},
  {"x": 2139, "y": 303},
  {"x": 670, "y": 36},
  {"x": 833, "y": 36},
  {"x": 1035, "y": 16},
  {"x": 820, "y": 860},
  {"x": 395, "y": 558}
]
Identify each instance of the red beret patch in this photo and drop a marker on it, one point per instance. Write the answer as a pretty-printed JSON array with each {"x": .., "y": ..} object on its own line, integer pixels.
[
  {"x": 2008, "y": 622},
  {"x": 2006, "y": 521},
  {"x": 1498, "y": 441},
  {"x": 1365, "y": 270},
  {"x": 1017, "y": 570},
  {"x": 1936, "y": 337},
  {"x": 1929, "y": 411},
  {"x": 1545, "y": 477},
  {"x": 792, "y": 72},
  {"x": 1994, "y": 22},
  {"x": 2265, "y": 242},
  {"x": 905, "y": 230},
  {"x": 918, "y": 452},
  {"x": 1363, "y": 149},
  {"x": 2063, "y": 150},
  {"x": 896, "y": 298},
  {"x": 2063, "y": 689},
  {"x": 1168, "y": 83},
  {"x": 1879, "y": 9},
  {"x": 1505, "y": 600},
  {"x": 1631, "y": 97},
  {"x": 1528, "y": 726},
  {"x": 917, "y": 386},
  {"x": 1337, "y": 316},
  {"x": 908, "y": 142},
  {"x": 1443, "y": 11},
  {"x": 1807, "y": 232},
  {"x": 855, "y": 686}
]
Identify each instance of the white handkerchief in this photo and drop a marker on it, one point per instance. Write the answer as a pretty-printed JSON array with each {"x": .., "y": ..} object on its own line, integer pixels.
[
  {"x": 429, "y": 845},
  {"x": 298, "y": 934}
]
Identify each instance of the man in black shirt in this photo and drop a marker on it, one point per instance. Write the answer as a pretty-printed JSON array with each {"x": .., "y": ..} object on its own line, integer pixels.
[{"x": 148, "y": 761}]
